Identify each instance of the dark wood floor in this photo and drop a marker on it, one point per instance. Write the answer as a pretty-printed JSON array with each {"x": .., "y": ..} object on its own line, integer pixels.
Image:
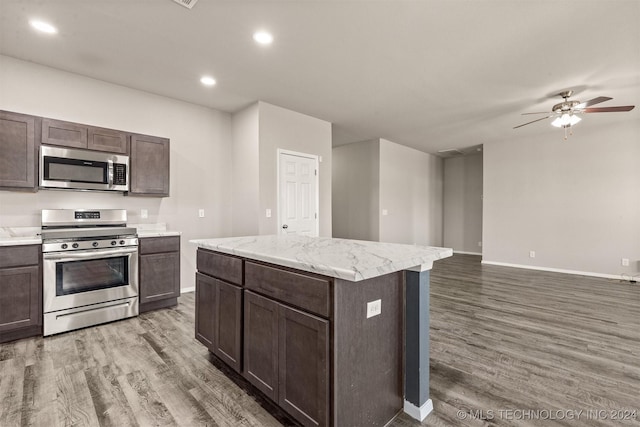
[{"x": 507, "y": 346}]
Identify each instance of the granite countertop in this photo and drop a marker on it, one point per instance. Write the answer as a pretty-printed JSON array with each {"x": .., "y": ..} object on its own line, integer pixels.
[
  {"x": 15, "y": 236},
  {"x": 153, "y": 230},
  {"x": 352, "y": 260}
]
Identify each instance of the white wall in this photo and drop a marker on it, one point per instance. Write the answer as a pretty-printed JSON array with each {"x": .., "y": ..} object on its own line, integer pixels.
[
  {"x": 246, "y": 181},
  {"x": 576, "y": 203},
  {"x": 411, "y": 192},
  {"x": 463, "y": 203},
  {"x": 289, "y": 130},
  {"x": 356, "y": 191},
  {"x": 200, "y": 152},
  {"x": 383, "y": 175}
]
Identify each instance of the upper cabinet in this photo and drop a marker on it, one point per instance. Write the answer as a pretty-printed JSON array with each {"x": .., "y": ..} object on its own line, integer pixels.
[
  {"x": 19, "y": 136},
  {"x": 22, "y": 134},
  {"x": 149, "y": 163},
  {"x": 76, "y": 135}
]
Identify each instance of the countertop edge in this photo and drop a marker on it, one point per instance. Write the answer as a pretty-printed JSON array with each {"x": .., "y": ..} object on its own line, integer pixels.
[{"x": 421, "y": 263}]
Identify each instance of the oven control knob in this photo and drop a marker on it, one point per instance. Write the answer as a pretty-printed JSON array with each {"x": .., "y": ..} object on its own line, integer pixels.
[
  {"x": 74, "y": 246},
  {"x": 113, "y": 243},
  {"x": 122, "y": 242},
  {"x": 94, "y": 244},
  {"x": 64, "y": 246}
]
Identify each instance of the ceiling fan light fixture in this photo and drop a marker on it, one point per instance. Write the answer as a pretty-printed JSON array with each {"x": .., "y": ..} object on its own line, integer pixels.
[{"x": 565, "y": 120}]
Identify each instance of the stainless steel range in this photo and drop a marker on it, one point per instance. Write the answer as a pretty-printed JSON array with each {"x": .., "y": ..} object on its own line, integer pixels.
[{"x": 90, "y": 268}]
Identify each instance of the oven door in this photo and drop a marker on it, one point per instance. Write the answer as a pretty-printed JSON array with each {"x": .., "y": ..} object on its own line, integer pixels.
[{"x": 75, "y": 279}]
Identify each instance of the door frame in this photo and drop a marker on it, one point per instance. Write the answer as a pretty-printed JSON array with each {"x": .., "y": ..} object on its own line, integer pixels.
[{"x": 314, "y": 157}]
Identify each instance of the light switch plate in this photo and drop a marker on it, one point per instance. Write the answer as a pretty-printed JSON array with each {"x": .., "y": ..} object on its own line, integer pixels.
[
  {"x": 144, "y": 213},
  {"x": 374, "y": 308},
  {"x": 268, "y": 213},
  {"x": 201, "y": 213}
]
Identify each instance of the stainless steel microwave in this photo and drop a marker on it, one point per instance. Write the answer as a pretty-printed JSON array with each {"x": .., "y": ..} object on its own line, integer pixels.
[{"x": 83, "y": 170}]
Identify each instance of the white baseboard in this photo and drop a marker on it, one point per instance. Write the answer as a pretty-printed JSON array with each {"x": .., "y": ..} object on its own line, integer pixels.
[
  {"x": 187, "y": 290},
  {"x": 555, "y": 270},
  {"x": 418, "y": 413},
  {"x": 467, "y": 253}
]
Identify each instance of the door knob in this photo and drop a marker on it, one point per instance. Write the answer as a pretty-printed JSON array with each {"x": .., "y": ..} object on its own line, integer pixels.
[{"x": 285, "y": 226}]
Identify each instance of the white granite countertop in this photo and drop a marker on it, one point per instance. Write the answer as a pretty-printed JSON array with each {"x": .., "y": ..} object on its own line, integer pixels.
[
  {"x": 352, "y": 260},
  {"x": 14, "y": 236},
  {"x": 154, "y": 230}
]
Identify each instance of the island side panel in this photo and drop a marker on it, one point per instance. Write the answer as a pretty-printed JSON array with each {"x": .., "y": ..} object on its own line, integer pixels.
[{"x": 368, "y": 352}]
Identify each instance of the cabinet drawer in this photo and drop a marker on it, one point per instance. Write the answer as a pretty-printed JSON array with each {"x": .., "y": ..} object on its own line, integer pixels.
[
  {"x": 223, "y": 267},
  {"x": 307, "y": 292},
  {"x": 155, "y": 245},
  {"x": 15, "y": 256}
]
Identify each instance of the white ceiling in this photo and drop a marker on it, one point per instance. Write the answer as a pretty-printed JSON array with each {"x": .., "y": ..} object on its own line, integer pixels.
[{"x": 430, "y": 74}]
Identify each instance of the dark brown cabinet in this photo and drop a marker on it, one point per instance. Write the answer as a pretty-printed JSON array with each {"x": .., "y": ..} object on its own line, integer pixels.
[
  {"x": 307, "y": 341},
  {"x": 149, "y": 166},
  {"x": 18, "y": 151},
  {"x": 159, "y": 272},
  {"x": 286, "y": 353},
  {"x": 303, "y": 366},
  {"x": 219, "y": 307},
  {"x": 219, "y": 319},
  {"x": 261, "y": 343},
  {"x": 76, "y": 135},
  {"x": 20, "y": 292}
]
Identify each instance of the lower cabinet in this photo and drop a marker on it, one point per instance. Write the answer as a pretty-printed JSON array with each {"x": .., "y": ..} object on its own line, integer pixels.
[
  {"x": 219, "y": 318},
  {"x": 159, "y": 272},
  {"x": 287, "y": 357},
  {"x": 20, "y": 292}
]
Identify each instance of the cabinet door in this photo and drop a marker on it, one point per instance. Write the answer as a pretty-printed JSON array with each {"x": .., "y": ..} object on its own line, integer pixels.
[
  {"x": 19, "y": 298},
  {"x": 18, "y": 150},
  {"x": 205, "y": 309},
  {"x": 261, "y": 343},
  {"x": 159, "y": 276},
  {"x": 113, "y": 141},
  {"x": 66, "y": 134},
  {"x": 149, "y": 166},
  {"x": 304, "y": 366},
  {"x": 227, "y": 343}
]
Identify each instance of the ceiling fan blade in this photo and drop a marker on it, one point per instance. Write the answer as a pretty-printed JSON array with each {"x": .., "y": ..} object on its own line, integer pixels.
[
  {"x": 528, "y": 123},
  {"x": 593, "y": 101},
  {"x": 608, "y": 109},
  {"x": 539, "y": 112}
]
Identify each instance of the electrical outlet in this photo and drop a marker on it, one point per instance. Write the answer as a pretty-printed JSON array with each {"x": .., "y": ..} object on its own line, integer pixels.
[
  {"x": 625, "y": 262},
  {"x": 144, "y": 213},
  {"x": 201, "y": 213},
  {"x": 374, "y": 308},
  {"x": 268, "y": 213},
  {"x": 385, "y": 212},
  {"x": 532, "y": 254}
]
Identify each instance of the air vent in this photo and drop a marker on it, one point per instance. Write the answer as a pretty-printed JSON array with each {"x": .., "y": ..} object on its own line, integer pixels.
[{"x": 186, "y": 3}]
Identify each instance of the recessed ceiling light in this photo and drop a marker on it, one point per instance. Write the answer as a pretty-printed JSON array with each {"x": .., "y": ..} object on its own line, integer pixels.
[
  {"x": 263, "y": 37},
  {"x": 43, "y": 27},
  {"x": 208, "y": 81}
]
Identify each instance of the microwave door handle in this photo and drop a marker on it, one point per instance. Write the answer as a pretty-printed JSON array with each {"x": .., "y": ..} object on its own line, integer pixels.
[{"x": 110, "y": 173}]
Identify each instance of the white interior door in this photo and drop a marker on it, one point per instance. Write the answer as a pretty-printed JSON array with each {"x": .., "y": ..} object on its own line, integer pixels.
[{"x": 298, "y": 193}]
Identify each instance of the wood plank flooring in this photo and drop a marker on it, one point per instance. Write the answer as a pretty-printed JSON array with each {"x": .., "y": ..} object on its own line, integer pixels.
[{"x": 508, "y": 347}]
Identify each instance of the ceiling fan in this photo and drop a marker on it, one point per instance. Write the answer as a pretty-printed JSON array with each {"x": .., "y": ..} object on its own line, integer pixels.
[{"x": 567, "y": 112}]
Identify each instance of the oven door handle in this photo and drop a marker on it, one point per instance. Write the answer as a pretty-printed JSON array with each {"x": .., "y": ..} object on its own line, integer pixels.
[{"x": 88, "y": 254}]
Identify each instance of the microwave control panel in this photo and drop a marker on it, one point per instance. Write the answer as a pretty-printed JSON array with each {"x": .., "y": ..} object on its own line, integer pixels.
[{"x": 119, "y": 174}]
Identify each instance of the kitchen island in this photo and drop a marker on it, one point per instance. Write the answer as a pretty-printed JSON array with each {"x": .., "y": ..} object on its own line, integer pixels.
[{"x": 334, "y": 331}]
